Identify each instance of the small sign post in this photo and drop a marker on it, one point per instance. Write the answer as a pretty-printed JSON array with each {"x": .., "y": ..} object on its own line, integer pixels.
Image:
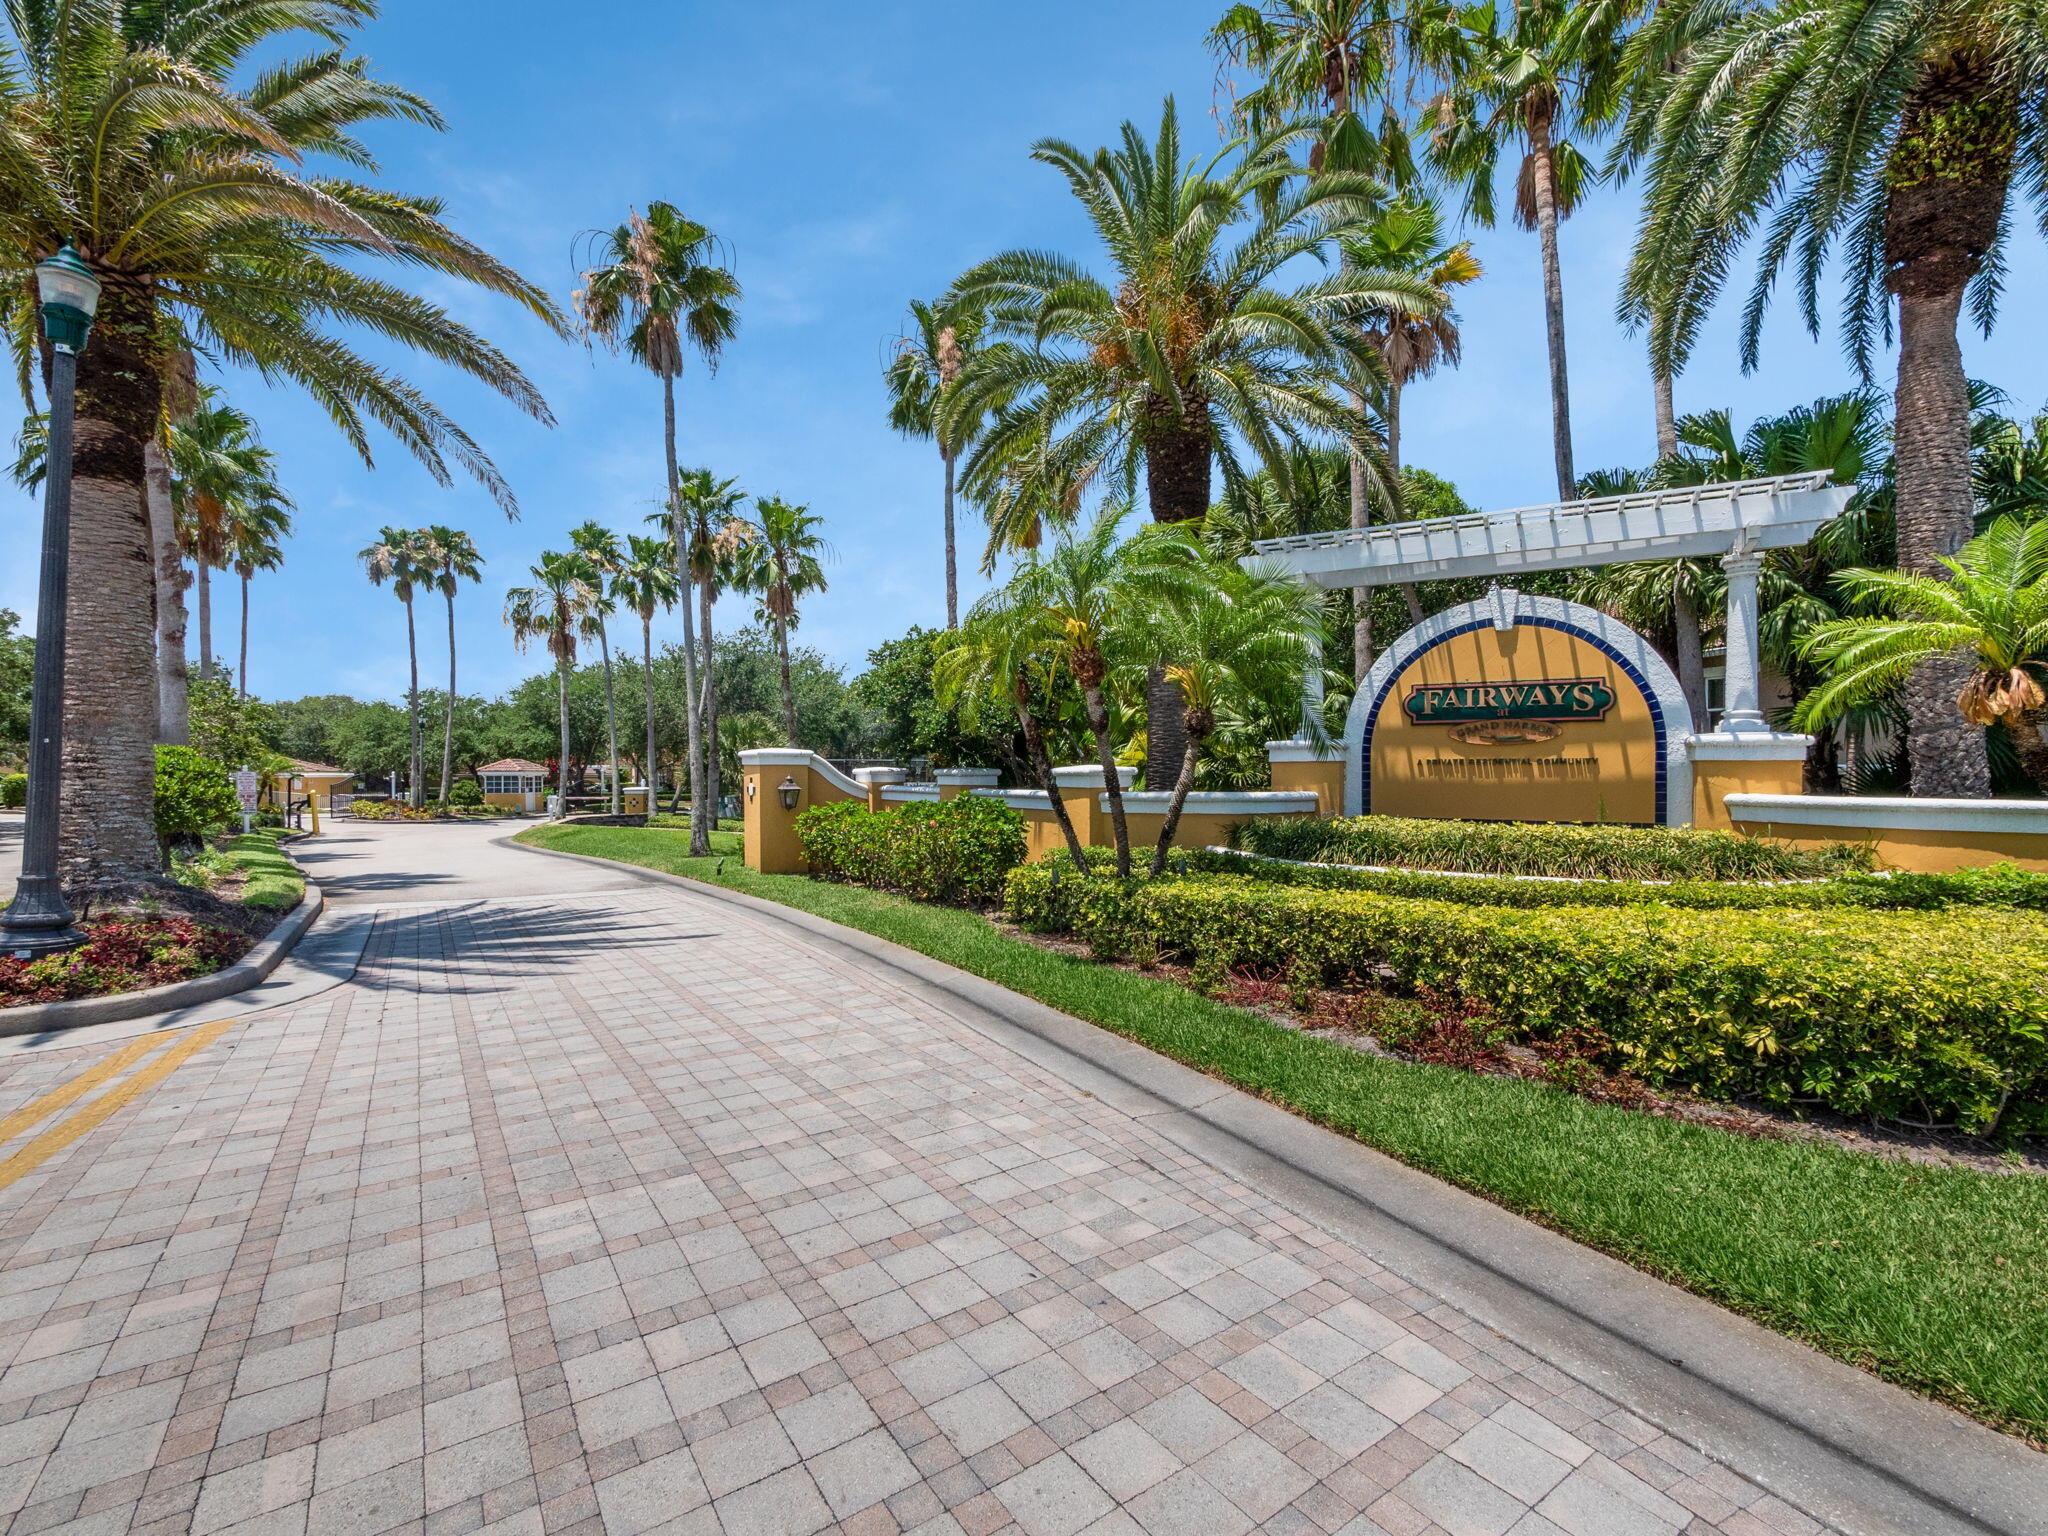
[{"x": 247, "y": 785}]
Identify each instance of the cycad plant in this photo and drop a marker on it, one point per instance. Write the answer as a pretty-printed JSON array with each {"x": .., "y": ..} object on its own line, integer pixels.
[
  {"x": 134, "y": 129},
  {"x": 1988, "y": 612},
  {"x": 453, "y": 559},
  {"x": 647, "y": 581},
  {"x": 402, "y": 557},
  {"x": 784, "y": 565},
  {"x": 928, "y": 360},
  {"x": 552, "y": 610},
  {"x": 599, "y": 546},
  {"x": 253, "y": 545}
]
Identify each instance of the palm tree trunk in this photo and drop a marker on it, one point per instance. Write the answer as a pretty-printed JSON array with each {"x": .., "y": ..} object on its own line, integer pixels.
[
  {"x": 1098, "y": 727},
  {"x": 952, "y": 572},
  {"x": 562, "y": 761},
  {"x": 205, "y": 618},
  {"x": 1361, "y": 517},
  {"x": 242, "y": 662},
  {"x": 1178, "y": 460},
  {"x": 1667, "y": 419},
  {"x": 1181, "y": 785},
  {"x": 2033, "y": 750},
  {"x": 788, "y": 693},
  {"x": 416, "y": 763},
  {"x": 693, "y": 725},
  {"x": 1545, "y": 182},
  {"x": 448, "y": 715},
  {"x": 611, "y": 714},
  {"x": 1041, "y": 765},
  {"x": 1692, "y": 665},
  {"x": 173, "y": 710},
  {"x": 647, "y": 703},
  {"x": 1410, "y": 593},
  {"x": 707, "y": 711},
  {"x": 1165, "y": 736}
]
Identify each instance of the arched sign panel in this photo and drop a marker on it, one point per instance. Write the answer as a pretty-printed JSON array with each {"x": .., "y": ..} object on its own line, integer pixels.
[{"x": 1519, "y": 708}]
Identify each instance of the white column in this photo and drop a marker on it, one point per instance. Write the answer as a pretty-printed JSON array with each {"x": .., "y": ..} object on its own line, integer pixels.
[{"x": 1742, "y": 705}]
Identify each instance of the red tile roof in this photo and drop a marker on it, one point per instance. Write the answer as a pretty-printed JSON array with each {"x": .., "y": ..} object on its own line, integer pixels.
[{"x": 513, "y": 765}]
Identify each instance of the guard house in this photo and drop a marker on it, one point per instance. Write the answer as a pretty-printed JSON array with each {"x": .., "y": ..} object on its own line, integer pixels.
[
  {"x": 515, "y": 784},
  {"x": 1531, "y": 708},
  {"x": 318, "y": 782}
]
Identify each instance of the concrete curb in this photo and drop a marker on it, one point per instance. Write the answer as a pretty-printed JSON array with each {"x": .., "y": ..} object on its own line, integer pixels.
[
  {"x": 252, "y": 968},
  {"x": 1859, "y": 1455}
]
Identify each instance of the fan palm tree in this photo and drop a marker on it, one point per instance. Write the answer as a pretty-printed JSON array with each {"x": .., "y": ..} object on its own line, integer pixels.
[
  {"x": 1989, "y": 611},
  {"x": 454, "y": 559},
  {"x": 402, "y": 557},
  {"x": 552, "y": 611},
  {"x": 647, "y": 581},
  {"x": 929, "y": 358},
  {"x": 1891, "y": 133},
  {"x": 784, "y": 565},
  {"x": 253, "y": 546},
  {"x": 656, "y": 286},
  {"x": 1541, "y": 77},
  {"x": 599, "y": 547},
  {"x": 134, "y": 130},
  {"x": 708, "y": 508}
]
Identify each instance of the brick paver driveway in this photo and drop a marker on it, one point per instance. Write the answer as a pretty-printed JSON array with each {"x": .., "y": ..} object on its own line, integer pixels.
[{"x": 630, "y": 1212}]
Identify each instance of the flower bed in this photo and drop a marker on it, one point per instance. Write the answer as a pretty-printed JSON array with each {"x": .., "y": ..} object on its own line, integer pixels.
[
  {"x": 955, "y": 851},
  {"x": 1546, "y": 848},
  {"x": 122, "y": 954},
  {"x": 1937, "y": 1016}
]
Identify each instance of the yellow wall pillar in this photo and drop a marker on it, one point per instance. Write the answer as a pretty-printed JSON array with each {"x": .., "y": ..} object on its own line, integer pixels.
[
  {"x": 1302, "y": 765},
  {"x": 955, "y": 782},
  {"x": 875, "y": 780},
  {"x": 770, "y": 841},
  {"x": 1082, "y": 787},
  {"x": 1742, "y": 763}
]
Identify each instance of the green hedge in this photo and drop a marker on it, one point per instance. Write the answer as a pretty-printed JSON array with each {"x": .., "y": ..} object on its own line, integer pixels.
[
  {"x": 954, "y": 851},
  {"x": 13, "y": 791},
  {"x": 1930, "y": 1016},
  {"x": 1542, "y": 848}
]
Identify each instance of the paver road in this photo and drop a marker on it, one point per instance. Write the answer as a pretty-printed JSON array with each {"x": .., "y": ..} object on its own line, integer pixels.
[{"x": 625, "y": 1211}]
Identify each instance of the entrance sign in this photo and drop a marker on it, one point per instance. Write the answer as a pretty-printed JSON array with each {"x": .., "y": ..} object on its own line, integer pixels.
[
  {"x": 247, "y": 785},
  {"x": 1519, "y": 708}
]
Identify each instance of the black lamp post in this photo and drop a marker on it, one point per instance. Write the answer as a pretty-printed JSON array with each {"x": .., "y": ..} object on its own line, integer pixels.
[{"x": 39, "y": 920}]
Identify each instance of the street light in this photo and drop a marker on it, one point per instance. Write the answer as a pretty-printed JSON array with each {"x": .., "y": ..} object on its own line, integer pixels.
[{"x": 39, "y": 920}]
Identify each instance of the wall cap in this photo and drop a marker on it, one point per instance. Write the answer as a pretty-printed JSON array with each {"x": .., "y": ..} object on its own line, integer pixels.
[
  {"x": 1747, "y": 747},
  {"x": 986, "y": 778},
  {"x": 910, "y": 792},
  {"x": 1087, "y": 775},
  {"x": 1879, "y": 813},
  {"x": 881, "y": 775},
  {"x": 1303, "y": 752},
  {"x": 801, "y": 757},
  {"x": 1223, "y": 802}
]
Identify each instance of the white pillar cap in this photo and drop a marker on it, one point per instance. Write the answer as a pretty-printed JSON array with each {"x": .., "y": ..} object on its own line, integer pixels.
[{"x": 1090, "y": 776}]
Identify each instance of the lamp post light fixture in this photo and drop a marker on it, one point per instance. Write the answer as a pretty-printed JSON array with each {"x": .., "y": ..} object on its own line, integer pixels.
[
  {"x": 39, "y": 921},
  {"x": 790, "y": 790}
]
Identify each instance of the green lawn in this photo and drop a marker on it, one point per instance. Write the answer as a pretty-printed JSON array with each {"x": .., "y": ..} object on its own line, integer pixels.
[
  {"x": 1931, "y": 1277},
  {"x": 273, "y": 880}
]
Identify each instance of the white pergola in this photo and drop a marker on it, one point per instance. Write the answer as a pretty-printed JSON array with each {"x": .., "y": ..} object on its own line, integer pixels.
[{"x": 1734, "y": 521}]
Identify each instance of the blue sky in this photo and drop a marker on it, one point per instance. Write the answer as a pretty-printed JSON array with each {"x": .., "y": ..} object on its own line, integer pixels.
[{"x": 854, "y": 156}]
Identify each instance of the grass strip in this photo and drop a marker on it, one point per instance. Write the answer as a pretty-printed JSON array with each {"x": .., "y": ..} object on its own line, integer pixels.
[
  {"x": 1931, "y": 1277},
  {"x": 273, "y": 880}
]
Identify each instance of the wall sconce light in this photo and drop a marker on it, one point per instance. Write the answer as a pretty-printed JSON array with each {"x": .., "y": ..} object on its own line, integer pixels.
[{"x": 790, "y": 790}]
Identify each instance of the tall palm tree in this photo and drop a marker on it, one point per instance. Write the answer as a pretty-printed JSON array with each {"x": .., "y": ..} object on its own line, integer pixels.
[
  {"x": 454, "y": 560},
  {"x": 134, "y": 130},
  {"x": 599, "y": 546},
  {"x": 552, "y": 611},
  {"x": 1893, "y": 134},
  {"x": 785, "y": 565},
  {"x": 1540, "y": 76},
  {"x": 657, "y": 285},
  {"x": 253, "y": 545},
  {"x": 646, "y": 580},
  {"x": 220, "y": 472},
  {"x": 708, "y": 508},
  {"x": 929, "y": 358},
  {"x": 1988, "y": 611},
  {"x": 402, "y": 557}
]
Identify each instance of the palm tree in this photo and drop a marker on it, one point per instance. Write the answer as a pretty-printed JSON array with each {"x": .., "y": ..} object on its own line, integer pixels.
[
  {"x": 552, "y": 610},
  {"x": 599, "y": 546},
  {"x": 929, "y": 358},
  {"x": 1891, "y": 134},
  {"x": 646, "y": 580},
  {"x": 783, "y": 566},
  {"x": 220, "y": 473},
  {"x": 655, "y": 285},
  {"x": 708, "y": 509},
  {"x": 1989, "y": 612},
  {"x": 402, "y": 557},
  {"x": 455, "y": 559},
  {"x": 253, "y": 546},
  {"x": 1541, "y": 76},
  {"x": 133, "y": 130}
]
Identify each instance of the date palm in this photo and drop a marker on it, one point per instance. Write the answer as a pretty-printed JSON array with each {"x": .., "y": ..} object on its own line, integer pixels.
[
  {"x": 1988, "y": 613},
  {"x": 454, "y": 559},
  {"x": 552, "y": 611},
  {"x": 253, "y": 545},
  {"x": 1538, "y": 77},
  {"x": 135, "y": 129},
  {"x": 599, "y": 546},
  {"x": 784, "y": 565},
  {"x": 1890, "y": 133},
  {"x": 646, "y": 580},
  {"x": 403, "y": 557},
  {"x": 658, "y": 286},
  {"x": 928, "y": 360}
]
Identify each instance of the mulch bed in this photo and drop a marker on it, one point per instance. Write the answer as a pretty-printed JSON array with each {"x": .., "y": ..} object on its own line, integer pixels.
[{"x": 123, "y": 954}]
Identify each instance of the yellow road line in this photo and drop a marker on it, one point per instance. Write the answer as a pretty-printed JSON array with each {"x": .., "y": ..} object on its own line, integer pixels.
[
  {"x": 80, "y": 1085},
  {"x": 68, "y": 1130}
]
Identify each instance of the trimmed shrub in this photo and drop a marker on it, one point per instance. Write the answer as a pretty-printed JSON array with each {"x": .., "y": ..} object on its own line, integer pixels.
[
  {"x": 1928, "y": 1016},
  {"x": 1542, "y": 848},
  {"x": 13, "y": 791},
  {"x": 465, "y": 792},
  {"x": 194, "y": 796},
  {"x": 955, "y": 851}
]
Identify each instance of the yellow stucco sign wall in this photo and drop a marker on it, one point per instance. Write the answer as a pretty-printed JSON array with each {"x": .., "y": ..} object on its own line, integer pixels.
[{"x": 1526, "y": 724}]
